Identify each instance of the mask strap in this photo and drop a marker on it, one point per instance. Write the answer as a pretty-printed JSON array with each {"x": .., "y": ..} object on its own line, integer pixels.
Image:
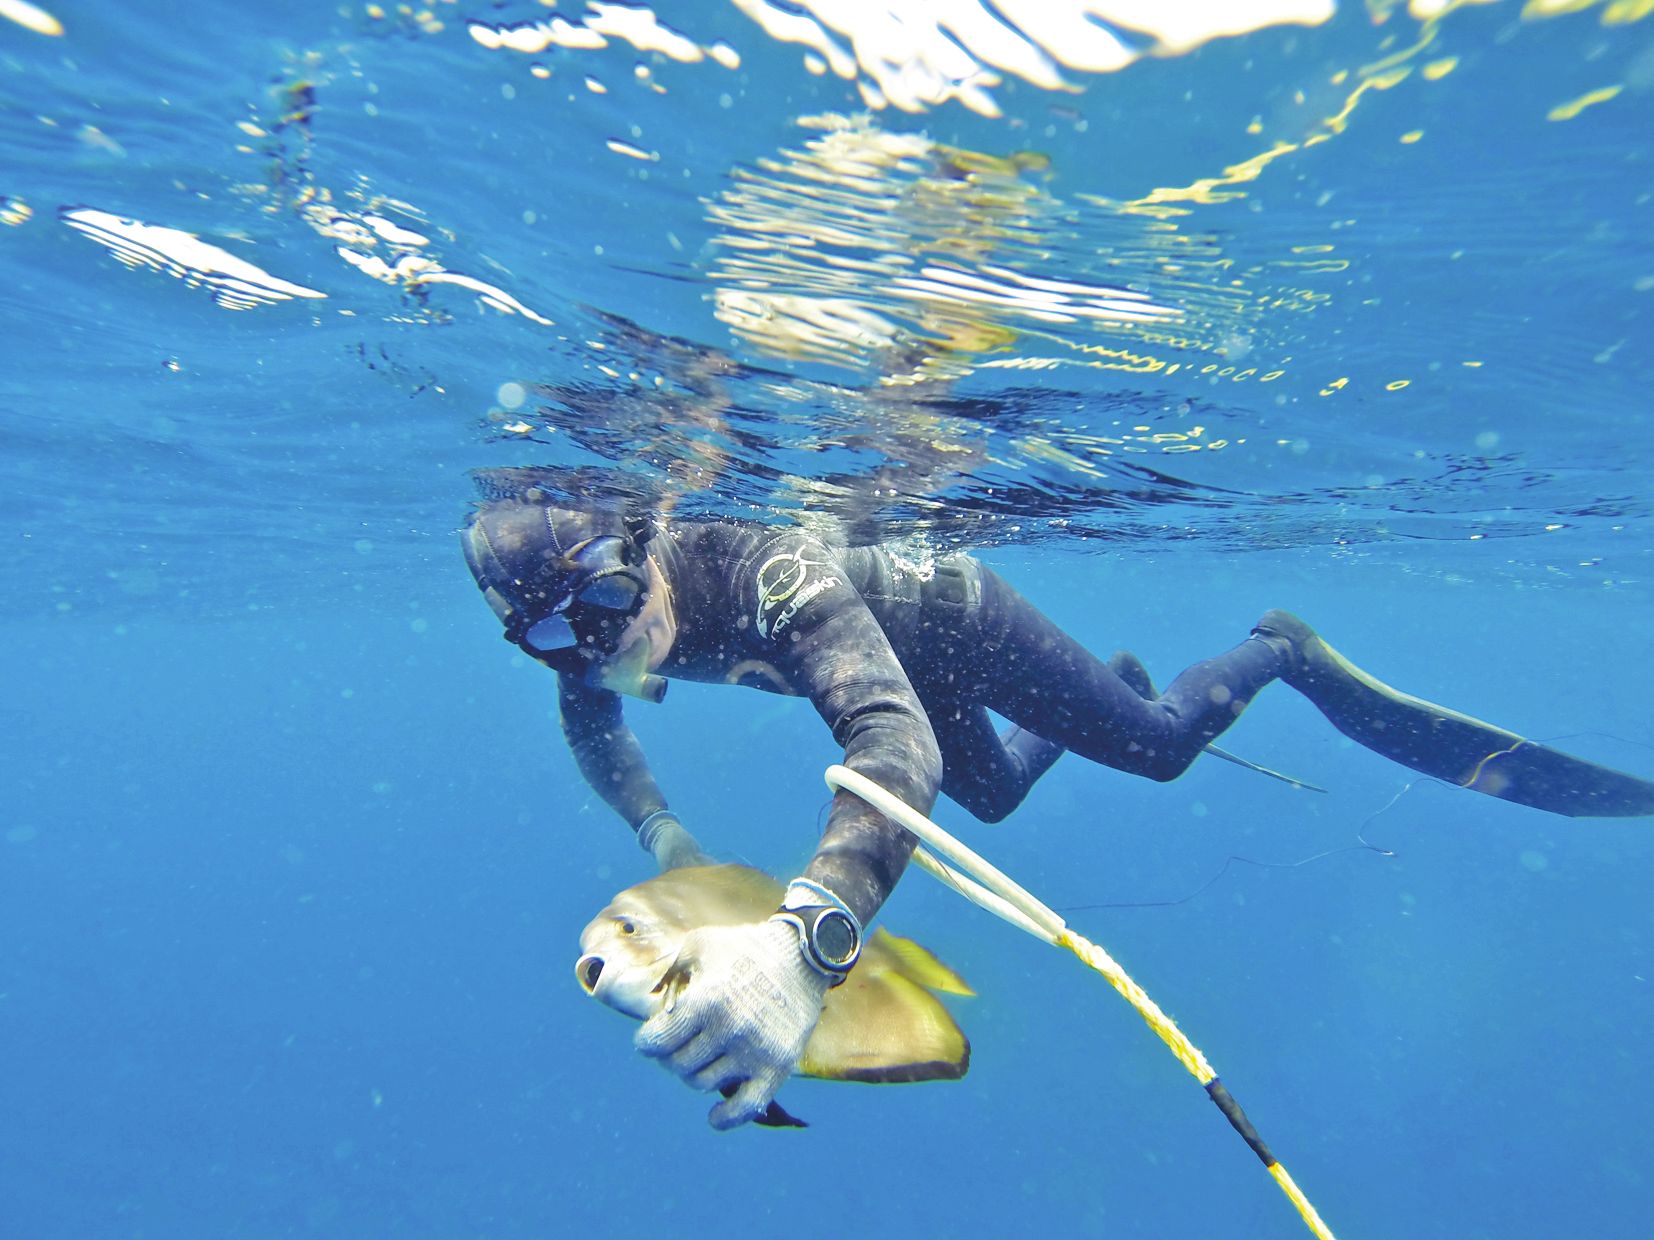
[{"x": 639, "y": 530}]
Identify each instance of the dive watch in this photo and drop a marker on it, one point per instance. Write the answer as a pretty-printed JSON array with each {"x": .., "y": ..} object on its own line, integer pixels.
[{"x": 828, "y": 933}]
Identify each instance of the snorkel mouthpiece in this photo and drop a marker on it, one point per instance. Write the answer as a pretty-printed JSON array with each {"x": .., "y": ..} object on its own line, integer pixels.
[
  {"x": 648, "y": 687},
  {"x": 628, "y": 674}
]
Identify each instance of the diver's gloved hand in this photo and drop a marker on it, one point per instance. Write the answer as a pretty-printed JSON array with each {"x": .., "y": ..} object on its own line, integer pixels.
[
  {"x": 664, "y": 837},
  {"x": 742, "y": 1001}
]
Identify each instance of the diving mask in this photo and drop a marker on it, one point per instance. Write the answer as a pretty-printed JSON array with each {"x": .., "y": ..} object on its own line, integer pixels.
[
  {"x": 571, "y": 609},
  {"x": 605, "y": 594},
  {"x": 583, "y": 631}
]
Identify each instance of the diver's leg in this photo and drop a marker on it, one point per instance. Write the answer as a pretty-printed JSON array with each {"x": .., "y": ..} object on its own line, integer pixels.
[
  {"x": 989, "y": 773},
  {"x": 1034, "y": 674},
  {"x": 1442, "y": 742},
  {"x": 1129, "y": 668},
  {"x": 985, "y": 773}
]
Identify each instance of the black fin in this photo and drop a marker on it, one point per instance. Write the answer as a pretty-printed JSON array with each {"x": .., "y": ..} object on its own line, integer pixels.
[
  {"x": 1447, "y": 744},
  {"x": 777, "y": 1116},
  {"x": 774, "y": 1116}
]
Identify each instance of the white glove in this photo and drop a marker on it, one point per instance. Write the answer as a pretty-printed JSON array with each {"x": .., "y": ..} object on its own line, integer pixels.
[{"x": 744, "y": 1004}]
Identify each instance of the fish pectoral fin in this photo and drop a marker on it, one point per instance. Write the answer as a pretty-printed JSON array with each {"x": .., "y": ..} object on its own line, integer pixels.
[
  {"x": 775, "y": 1115},
  {"x": 917, "y": 964},
  {"x": 671, "y": 983},
  {"x": 883, "y": 1028}
]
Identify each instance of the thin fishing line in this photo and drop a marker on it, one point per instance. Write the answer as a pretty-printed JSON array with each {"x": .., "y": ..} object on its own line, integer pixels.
[
  {"x": 1605, "y": 736},
  {"x": 1231, "y": 859},
  {"x": 1363, "y": 844}
]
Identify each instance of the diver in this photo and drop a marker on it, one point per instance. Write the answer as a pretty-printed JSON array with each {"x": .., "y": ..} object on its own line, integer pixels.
[{"x": 903, "y": 663}]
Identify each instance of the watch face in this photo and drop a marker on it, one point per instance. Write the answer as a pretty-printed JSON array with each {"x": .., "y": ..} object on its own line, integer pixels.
[{"x": 835, "y": 937}]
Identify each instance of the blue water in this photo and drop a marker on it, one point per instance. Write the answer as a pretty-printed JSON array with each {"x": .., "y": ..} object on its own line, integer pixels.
[{"x": 292, "y": 858}]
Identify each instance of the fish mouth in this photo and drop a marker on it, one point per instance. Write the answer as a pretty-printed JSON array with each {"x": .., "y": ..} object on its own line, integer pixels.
[
  {"x": 587, "y": 970},
  {"x": 624, "y": 986}
]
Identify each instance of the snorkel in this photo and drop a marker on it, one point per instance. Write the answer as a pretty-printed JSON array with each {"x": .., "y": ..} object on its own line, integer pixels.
[
  {"x": 605, "y": 647},
  {"x": 627, "y": 666},
  {"x": 626, "y": 671}
]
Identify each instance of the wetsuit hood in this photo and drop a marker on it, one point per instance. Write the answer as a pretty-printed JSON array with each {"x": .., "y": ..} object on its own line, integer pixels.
[
  {"x": 522, "y": 554},
  {"x": 567, "y": 585}
]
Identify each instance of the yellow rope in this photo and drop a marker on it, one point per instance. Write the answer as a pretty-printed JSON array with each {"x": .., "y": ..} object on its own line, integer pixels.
[
  {"x": 1188, "y": 1054},
  {"x": 1296, "y": 1196},
  {"x": 999, "y": 894}
]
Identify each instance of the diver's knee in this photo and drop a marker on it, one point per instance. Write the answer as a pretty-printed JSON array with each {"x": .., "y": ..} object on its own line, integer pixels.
[
  {"x": 996, "y": 810},
  {"x": 985, "y": 803},
  {"x": 1160, "y": 765}
]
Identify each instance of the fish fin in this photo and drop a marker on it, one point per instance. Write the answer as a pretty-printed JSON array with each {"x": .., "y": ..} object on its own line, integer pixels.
[
  {"x": 918, "y": 964},
  {"x": 722, "y": 894},
  {"x": 739, "y": 881},
  {"x": 686, "y": 897},
  {"x": 671, "y": 984},
  {"x": 775, "y": 1115},
  {"x": 881, "y": 1027}
]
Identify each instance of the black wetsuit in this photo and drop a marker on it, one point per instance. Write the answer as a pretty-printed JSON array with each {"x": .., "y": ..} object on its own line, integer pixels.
[{"x": 904, "y": 667}]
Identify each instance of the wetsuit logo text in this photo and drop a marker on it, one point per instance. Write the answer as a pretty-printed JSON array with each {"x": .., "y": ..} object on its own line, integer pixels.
[{"x": 785, "y": 586}]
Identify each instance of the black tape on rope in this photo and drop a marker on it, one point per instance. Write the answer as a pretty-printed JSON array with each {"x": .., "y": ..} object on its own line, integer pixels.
[{"x": 1231, "y": 1109}]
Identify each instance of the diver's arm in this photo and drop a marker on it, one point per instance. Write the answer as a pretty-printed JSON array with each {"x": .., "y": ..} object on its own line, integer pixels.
[
  {"x": 605, "y": 750},
  {"x": 840, "y": 659},
  {"x": 751, "y": 995}
]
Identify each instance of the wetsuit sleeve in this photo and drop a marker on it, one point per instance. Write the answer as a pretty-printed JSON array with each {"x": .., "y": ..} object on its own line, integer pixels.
[
  {"x": 605, "y": 750},
  {"x": 818, "y": 633}
]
